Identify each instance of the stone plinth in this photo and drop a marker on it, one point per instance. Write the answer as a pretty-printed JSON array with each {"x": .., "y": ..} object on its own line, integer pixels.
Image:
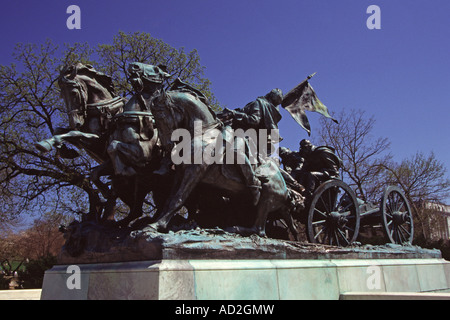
[
  {"x": 213, "y": 264},
  {"x": 272, "y": 279}
]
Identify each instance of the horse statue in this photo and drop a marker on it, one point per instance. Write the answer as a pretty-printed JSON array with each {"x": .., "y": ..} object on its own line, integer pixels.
[
  {"x": 185, "y": 109},
  {"x": 135, "y": 155},
  {"x": 91, "y": 103},
  {"x": 111, "y": 132}
]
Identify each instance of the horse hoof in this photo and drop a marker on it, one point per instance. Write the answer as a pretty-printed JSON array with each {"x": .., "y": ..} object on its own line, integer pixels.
[
  {"x": 262, "y": 234},
  {"x": 43, "y": 146},
  {"x": 156, "y": 227},
  {"x": 243, "y": 231},
  {"x": 141, "y": 223},
  {"x": 232, "y": 229}
]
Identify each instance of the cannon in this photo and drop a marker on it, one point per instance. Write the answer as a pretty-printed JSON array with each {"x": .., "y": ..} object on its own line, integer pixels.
[{"x": 335, "y": 215}]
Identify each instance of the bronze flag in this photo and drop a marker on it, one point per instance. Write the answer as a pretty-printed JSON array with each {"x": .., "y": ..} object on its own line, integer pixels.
[{"x": 303, "y": 98}]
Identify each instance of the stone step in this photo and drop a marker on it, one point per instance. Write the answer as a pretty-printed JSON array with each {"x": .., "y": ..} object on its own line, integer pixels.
[
  {"x": 394, "y": 296},
  {"x": 21, "y": 294}
]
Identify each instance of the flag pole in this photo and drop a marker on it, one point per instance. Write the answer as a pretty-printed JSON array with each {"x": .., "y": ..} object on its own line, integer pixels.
[{"x": 311, "y": 75}]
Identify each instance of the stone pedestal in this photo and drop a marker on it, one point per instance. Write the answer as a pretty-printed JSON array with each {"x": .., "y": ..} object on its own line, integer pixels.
[
  {"x": 213, "y": 264},
  {"x": 246, "y": 279}
]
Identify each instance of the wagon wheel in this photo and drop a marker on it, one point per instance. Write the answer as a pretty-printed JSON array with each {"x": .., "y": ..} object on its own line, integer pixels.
[
  {"x": 279, "y": 229},
  {"x": 396, "y": 216},
  {"x": 333, "y": 216}
]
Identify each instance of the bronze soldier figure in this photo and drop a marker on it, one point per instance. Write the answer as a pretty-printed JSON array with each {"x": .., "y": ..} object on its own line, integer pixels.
[{"x": 311, "y": 165}]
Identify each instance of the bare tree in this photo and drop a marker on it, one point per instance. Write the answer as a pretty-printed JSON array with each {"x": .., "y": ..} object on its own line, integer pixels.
[
  {"x": 31, "y": 109},
  {"x": 142, "y": 47},
  {"x": 362, "y": 154},
  {"x": 43, "y": 238},
  {"x": 424, "y": 179}
]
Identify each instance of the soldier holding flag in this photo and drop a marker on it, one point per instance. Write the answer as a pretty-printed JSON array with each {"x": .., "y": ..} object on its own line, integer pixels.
[{"x": 263, "y": 113}]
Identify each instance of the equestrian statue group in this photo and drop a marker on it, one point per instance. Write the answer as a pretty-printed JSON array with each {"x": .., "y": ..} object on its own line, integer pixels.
[{"x": 167, "y": 142}]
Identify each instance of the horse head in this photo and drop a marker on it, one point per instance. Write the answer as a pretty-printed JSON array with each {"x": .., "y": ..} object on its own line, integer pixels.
[
  {"x": 181, "y": 107},
  {"x": 147, "y": 78},
  {"x": 84, "y": 88}
]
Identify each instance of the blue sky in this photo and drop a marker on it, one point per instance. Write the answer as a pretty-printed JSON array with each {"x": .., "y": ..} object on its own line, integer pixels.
[{"x": 400, "y": 73}]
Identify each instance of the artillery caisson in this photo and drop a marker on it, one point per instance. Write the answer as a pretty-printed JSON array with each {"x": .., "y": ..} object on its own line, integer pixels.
[{"x": 335, "y": 215}]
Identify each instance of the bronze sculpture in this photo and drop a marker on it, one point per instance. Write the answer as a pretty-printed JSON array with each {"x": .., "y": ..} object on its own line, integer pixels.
[
  {"x": 91, "y": 103},
  {"x": 133, "y": 142},
  {"x": 180, "y": 110}
]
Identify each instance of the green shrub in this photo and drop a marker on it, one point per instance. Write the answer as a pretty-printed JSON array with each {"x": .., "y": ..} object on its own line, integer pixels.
[
  {"x": 33, "y": 275},
  {"x": 442, "y": 245},
  {"x": 4, "y": 282}
]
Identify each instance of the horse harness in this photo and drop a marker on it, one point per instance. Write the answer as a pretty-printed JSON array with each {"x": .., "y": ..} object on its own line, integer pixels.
[{"x": 105, "y": 110}]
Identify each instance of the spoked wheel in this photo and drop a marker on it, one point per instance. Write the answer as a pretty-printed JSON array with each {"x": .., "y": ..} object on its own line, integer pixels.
[
  {"x": 396, "y": 216},
  {"x": 279, "y": 229},
  {"x": 333, "y": 216}
]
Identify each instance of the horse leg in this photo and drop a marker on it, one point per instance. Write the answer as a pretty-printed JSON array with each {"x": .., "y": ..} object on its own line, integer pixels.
[
  {"x": 101, "y": 170},
  {"x": 114, "y": 151},
  {"x": 58, "y": 139},
  {"x": 262, "y": 212},
  {"x": 95, "y": 207},
  {"x": 273, "y": 198},
  {"x": 139, "y": 197},
  {"x": 191, "y": 176},
  {"x": 135, "y": 205},
  {"x": 264, "y": 207},
  {"x": 109, "y": 210},
  {"x": 285, "y": 214}
]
